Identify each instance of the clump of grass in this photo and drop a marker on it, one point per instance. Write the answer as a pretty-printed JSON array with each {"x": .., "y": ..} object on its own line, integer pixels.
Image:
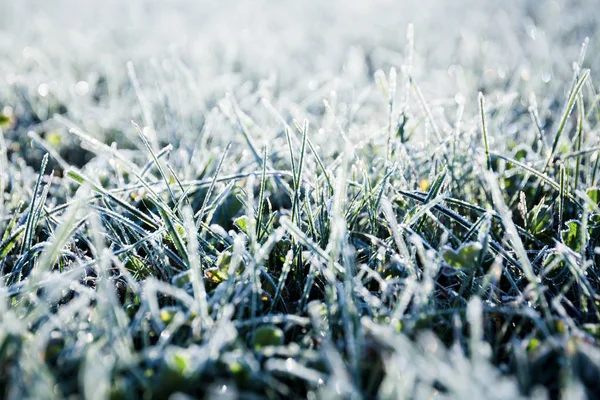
[{"x": 249, "y": 237}]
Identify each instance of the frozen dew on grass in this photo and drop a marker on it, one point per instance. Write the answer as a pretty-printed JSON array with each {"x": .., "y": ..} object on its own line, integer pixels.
[{"x": 264, "y": 199}]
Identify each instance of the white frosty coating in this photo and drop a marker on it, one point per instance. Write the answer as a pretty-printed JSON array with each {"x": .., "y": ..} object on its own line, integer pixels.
[{"x": 166, "y": 65}]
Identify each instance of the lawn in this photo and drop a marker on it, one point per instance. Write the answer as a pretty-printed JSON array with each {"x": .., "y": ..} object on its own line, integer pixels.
[{"x": 319, "y": 199}]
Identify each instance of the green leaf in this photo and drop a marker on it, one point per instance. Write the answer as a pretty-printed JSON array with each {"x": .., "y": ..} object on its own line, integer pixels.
[
  {"x": 267, "y": 336},
  {"x": 533, "y": 344},
  {"x": 216, "y": 276},
  {"x": 179, "y": 362},
  {"x": 224, "y": 260},
  {"x": 572, "y": 235},
  {"x": 594, "y": 194},
  {"x": 540, "y": 219},
  {"x": 166, "y": 316},
  {"x": 11, "y": 234},
  {"x": 435, "y": 188},
  {"x": 174, "y": 234},
  {"x": 137, "y": 267},
  {"x": 11, "y": 240},
  {"x": 75, "y": 175},
  {"x": 240, "y": 370},
  {"x": 182, "y": 279},
  {"x": 242, "y": 223},
  {"x": 467, "y": 255},
  {"x": 54, "y": 138}
]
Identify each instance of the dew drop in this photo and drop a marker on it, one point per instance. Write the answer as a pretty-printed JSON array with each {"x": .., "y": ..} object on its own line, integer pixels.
[
  {"x": 43, "y": 90},
  {"x": 546, "y": 77},
  {"x": 82, "y": 88}
]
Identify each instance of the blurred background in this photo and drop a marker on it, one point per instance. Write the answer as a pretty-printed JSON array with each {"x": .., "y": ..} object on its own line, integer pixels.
[{"x": 71, "y": 58}]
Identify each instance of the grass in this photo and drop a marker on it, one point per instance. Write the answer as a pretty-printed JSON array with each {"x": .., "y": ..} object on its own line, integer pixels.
[{"x": 177, "y": 222}]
